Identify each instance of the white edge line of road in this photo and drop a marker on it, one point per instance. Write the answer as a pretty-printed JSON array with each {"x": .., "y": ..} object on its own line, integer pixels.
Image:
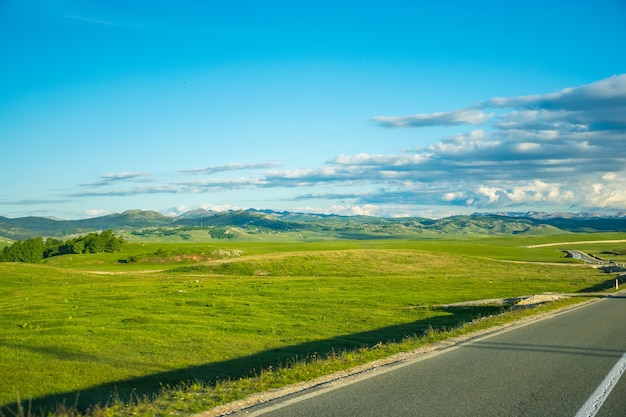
[
  {"x": 331, "y": 382},
  {"x": 593, "y": 404}
]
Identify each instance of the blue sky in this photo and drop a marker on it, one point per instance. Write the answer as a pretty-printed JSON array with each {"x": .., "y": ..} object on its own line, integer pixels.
[{"x": 387, "y": 108}]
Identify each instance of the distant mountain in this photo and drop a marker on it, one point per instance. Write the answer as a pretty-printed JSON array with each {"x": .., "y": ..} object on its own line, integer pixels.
[
  {"x": 130, "y": 218},
  {"x": 573, "y": 222},
  {"x": 347, "y": 227},
  {"x": 196, "y": 214},
  {"x": 239, "y": 218},
  {"x": 540, "y": 215},
  {"x": 27, "y": 227}
]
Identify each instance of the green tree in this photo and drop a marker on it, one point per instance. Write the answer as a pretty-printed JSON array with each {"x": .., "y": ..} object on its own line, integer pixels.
[
  {"x": 111, "y": 242},
  {"x": 12, "y": 253},
  {"x": 52, "y": 248},
  {"x": 30, "y": 250},
  {"x": 77, "y": 246},
  {"x": 36, "y": 249}
]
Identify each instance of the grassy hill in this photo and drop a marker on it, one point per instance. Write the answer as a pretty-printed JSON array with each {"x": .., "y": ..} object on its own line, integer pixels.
[{"x": 187, "y": 326}]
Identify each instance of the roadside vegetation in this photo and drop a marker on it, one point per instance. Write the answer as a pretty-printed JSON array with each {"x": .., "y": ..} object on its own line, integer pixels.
[{"x": 158, "y": 328}]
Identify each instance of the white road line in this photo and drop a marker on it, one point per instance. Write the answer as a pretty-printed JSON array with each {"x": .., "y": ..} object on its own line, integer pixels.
[{"x": 593, "y": 404}]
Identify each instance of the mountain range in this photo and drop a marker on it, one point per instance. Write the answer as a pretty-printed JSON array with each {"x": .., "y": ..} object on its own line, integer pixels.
[{"x": 503, "y": 223}]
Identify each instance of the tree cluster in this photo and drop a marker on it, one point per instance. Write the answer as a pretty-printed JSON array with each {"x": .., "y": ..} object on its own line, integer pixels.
[
  {"x": 36, "y": 249},
  {"x": 220, "y": 233}
]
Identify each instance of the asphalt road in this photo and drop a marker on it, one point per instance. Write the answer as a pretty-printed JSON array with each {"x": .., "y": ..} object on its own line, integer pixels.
[{"x": 550, "y": 367}]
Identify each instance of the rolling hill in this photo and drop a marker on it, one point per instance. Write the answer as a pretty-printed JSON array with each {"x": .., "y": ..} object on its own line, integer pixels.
[{"x": 346, "y": 227}]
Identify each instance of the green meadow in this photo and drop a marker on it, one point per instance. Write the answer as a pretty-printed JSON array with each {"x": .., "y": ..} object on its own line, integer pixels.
[{"x": 90, "y": 329}]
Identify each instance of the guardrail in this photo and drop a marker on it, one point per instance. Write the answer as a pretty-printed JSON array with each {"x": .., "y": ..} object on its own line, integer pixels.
[{"x": 594, "y": 260}]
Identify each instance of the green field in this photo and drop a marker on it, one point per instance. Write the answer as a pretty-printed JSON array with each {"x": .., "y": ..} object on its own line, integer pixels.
[{"x": 82, "y": 329}]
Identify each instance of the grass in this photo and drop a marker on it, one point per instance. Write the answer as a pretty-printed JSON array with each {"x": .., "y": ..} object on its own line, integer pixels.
[
  {"x": 89, "y": 329},
  {"x": 5, "y": 242},
  {"x": 200, "y": 396}
]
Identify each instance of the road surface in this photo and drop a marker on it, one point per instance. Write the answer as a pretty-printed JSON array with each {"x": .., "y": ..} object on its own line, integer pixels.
[{"x": 568, "y": 364}]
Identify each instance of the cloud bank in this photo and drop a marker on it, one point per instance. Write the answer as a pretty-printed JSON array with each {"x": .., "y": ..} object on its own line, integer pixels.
[{"x": 564, "y": 150}]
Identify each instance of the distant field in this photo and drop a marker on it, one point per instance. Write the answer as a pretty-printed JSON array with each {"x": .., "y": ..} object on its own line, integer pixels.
[
  {"x": 5, "y": 242},
  {"x": 246, "y": 235},
  {"x": 159, "y": 313}
]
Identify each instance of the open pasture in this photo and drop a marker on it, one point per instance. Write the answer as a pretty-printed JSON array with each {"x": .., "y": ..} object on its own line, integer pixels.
[{"x": 82, "y": 327}]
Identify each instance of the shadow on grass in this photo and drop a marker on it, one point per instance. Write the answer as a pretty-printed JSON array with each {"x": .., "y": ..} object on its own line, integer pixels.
[
  {"x": 604, "y": 285},
  {"x": 209, "y": 373}
]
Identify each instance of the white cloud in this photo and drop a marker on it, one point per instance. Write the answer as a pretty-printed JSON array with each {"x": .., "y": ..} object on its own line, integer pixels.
[
  {"x": 526, "y": 147},
  {"x": 183, "y": 208},
  {"x": 96, "y": 213},
  {"x": 453, "y": 118},
  {"x": 305, "y": 173},
  {"x": 364, "y": 210},
  {"x": 609, "y": 92},
  {"x": 235, "y": 166},
  {"x": 474, "y": 141},
  {"x": 454, "y": 196},
  {"x": 223, "y": 182},
  {"x": 536, "y": 150},
  {"x": 116, "y": 177},
  {"x": 490, "y": 192},
  {"x": 378, "y": 160},
  {"x": 528, "y": 193},
  {"x": 607, "y": 193},
  {"x": 345, "y": 210}
]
